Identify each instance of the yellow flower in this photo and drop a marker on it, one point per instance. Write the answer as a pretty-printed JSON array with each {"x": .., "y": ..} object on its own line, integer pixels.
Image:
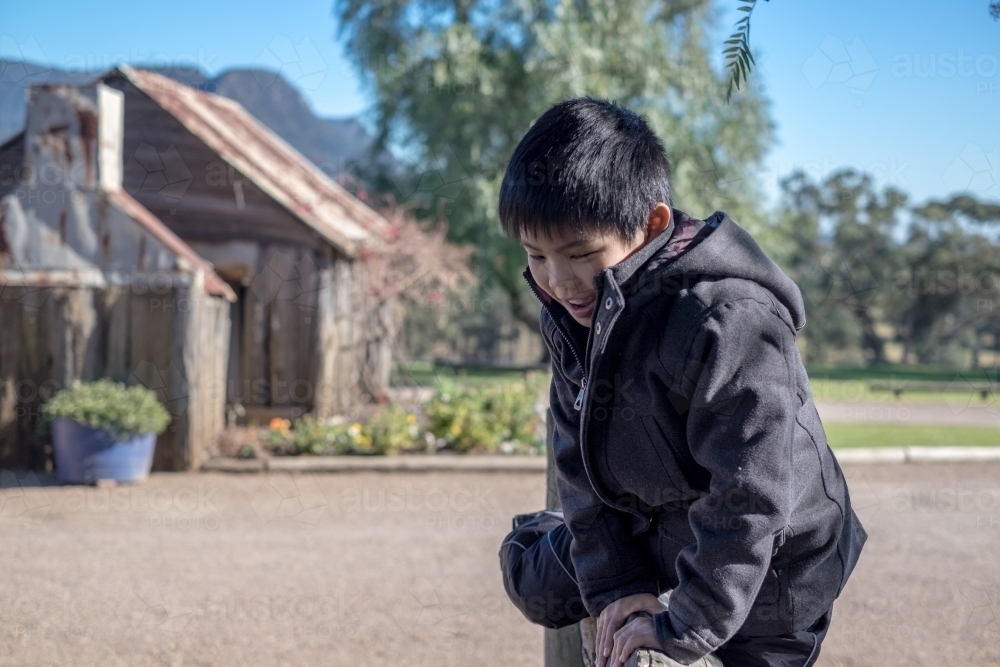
[
  {"x": 277, "y": 424},
  {"x": 455, "y": 429},
  {"x": 411, "y": 419}
]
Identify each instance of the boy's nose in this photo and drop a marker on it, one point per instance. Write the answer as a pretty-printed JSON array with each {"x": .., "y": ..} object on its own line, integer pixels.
[
  {"x": 563, "y": 285},
  {"x": 558, "y": 279}
]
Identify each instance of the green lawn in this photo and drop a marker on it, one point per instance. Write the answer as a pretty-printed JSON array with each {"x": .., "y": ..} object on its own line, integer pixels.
[
  {"x": 827, "y": 384},
  {"x": 424, "y": 374},
  {"x": 891, "y": 372},
  {"x": 853, "y": 385},
  {"x": 868, "y": 435},
  {"x": 859, "y": 391}
]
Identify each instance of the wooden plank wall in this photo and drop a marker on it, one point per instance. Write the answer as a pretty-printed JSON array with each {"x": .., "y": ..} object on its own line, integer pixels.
[
  {"x": 197, "y": 381},
  {"x": 207, "y": 199},
  {"x": 291, "y": 283},
  {"x": 47, "y": 339},
  {"x": 301, "y": 329},
  {"x": 166, "y": 340},
  {"x": 303, "y": 335},
  {"x": 339, "y": 344}
]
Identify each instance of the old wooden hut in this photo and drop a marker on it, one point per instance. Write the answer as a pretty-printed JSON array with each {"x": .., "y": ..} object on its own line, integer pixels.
[
  {"x": 93, "y": 285},
  {"x": 276, "y": 247},
  {"x": 289, "y": 241}
]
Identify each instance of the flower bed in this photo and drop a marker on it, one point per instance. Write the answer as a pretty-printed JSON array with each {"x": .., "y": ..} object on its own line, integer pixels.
[{"x": 500, "y": 418}]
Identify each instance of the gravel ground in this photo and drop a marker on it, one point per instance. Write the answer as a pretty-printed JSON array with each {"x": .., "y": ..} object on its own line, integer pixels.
[{"x": 401, "y": 568}]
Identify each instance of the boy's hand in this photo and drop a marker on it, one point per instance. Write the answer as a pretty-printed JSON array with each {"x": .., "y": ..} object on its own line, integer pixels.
[
  {"x": 637, "y": 633},
  {"x": 613, "y": 617}
]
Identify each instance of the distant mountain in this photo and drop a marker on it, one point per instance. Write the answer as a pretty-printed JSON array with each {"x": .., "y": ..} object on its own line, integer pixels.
[
  {"x": 338, "y": 146},
  {"x": 15, "y": 77},
  {"x": 335, "y": 145}
]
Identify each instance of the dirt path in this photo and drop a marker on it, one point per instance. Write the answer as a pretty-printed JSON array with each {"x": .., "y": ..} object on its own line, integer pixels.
[{"x": 344, "y": 569}]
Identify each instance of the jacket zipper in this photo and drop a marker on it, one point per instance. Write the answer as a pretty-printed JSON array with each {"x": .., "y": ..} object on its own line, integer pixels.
[{"x": 578, "y": 404}]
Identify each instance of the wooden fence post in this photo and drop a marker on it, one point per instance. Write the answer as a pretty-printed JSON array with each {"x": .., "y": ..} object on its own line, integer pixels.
[{"x": 563, "y": 647}]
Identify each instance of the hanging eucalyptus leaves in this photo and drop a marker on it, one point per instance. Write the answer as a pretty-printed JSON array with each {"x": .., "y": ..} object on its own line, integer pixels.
[{"x": 739, "y": 60}]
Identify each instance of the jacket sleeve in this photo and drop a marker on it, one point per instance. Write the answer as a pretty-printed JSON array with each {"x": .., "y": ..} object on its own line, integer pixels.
[
  {"x": 608, "y": 561},
  {"x": 740, "y": 424}
]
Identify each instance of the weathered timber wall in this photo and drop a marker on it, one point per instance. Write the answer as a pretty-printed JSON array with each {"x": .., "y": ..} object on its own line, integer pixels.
[{"x": 173, "y": 341}]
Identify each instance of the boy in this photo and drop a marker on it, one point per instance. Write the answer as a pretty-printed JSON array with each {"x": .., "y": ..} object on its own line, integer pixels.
[{"x": 689, "y": 455}]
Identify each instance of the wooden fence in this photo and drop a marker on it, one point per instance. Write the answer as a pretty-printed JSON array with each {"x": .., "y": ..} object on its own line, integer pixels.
[{"x": 173, "y": 340}]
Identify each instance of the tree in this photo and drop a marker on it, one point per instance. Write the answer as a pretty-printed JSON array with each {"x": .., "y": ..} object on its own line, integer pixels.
[
  {"x": 868, "y": 280},
  {"x": 951, "y": 281},
  {"x": 456, "y": 83},
  {"x": 844, "y": 256}
]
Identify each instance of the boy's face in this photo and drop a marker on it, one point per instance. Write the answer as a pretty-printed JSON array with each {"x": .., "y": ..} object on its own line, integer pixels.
[{"x": 565, "y": 265}]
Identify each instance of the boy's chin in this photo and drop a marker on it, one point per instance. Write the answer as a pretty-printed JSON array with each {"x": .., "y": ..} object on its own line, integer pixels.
[{"x": 582, "y": 321}]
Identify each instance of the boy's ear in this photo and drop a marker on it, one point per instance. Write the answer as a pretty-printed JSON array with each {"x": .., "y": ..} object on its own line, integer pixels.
[{"x": 659, "y": 219}]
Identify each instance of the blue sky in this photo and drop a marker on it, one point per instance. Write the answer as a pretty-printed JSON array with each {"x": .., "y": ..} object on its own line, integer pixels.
[{"x": 908, "y": 91}]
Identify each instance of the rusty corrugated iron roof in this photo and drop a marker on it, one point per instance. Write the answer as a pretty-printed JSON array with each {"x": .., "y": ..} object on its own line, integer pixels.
[
  {"x": 127, "y": 203},
  {"x": 266, "y": 159}
]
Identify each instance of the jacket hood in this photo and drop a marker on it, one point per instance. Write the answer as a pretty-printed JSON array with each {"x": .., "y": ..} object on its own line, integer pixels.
[{"x": 728, "y": 252}]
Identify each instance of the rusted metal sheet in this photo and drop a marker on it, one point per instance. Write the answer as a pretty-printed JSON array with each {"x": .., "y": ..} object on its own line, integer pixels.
[
  {"x": 104, "y": 232},
  {"x": 69, "y": 215},
  {"x": 263, "y": 157},
  {"x": 213, "y": 283},
  {"x": 12, "y": 163}
]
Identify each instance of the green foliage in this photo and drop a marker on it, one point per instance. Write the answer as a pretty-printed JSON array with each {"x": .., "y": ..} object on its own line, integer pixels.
[
  {"x": 875, "y": 272},
  {"x": 390, "y": 431},
  {"x": 738, "y": 56},
  {"x": 121, "y": 410},
  {"x": 496, "y": 416},
  {"x": 457, "y": 83},
  {"x": 912, "y": 373},
  {"x": 491, "y": 417}
]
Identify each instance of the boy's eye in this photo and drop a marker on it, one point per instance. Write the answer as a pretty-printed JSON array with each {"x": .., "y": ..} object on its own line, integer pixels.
[
  {"x": 586, "y": 254},
  {"x": 536, "y": 257}
]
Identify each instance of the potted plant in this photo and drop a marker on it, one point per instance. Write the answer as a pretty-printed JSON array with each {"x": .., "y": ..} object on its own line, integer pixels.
[{"x": 104, "y": 430}]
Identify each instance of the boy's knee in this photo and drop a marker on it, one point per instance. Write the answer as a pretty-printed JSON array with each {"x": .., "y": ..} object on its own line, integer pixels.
[{"x": 537, "y": 572}]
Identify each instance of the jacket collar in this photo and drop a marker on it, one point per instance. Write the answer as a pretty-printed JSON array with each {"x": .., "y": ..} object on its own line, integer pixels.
[{"x": 626, "y": 268}]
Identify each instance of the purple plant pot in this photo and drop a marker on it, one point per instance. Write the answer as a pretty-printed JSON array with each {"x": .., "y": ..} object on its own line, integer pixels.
[{"x": 84, "y": 454}]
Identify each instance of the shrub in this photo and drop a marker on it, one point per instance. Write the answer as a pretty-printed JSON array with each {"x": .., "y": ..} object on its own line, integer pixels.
[
  {"x": 120, "y": 410},
  {"x": 498, "y": 416},
  {"x": 492, "y": 417},
  {"x": 391, "y": 430}
]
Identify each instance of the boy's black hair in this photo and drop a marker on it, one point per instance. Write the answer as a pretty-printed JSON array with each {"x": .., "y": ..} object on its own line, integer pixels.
[{"x": 586, "y": 164}]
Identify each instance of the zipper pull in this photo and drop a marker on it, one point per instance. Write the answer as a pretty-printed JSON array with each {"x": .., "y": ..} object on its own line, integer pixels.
[{"x": 579, "y": 397}]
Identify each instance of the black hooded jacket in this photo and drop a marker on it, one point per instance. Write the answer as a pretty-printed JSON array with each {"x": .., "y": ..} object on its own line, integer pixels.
[{"x": 689, "y": 454}]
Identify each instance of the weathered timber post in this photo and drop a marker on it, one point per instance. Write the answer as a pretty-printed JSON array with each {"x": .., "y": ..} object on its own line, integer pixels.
[{"x": 563, "y": 647}]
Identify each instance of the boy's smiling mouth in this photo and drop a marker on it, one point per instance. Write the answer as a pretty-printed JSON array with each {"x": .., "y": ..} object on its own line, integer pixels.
[{"x": 581, "y": 307}]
